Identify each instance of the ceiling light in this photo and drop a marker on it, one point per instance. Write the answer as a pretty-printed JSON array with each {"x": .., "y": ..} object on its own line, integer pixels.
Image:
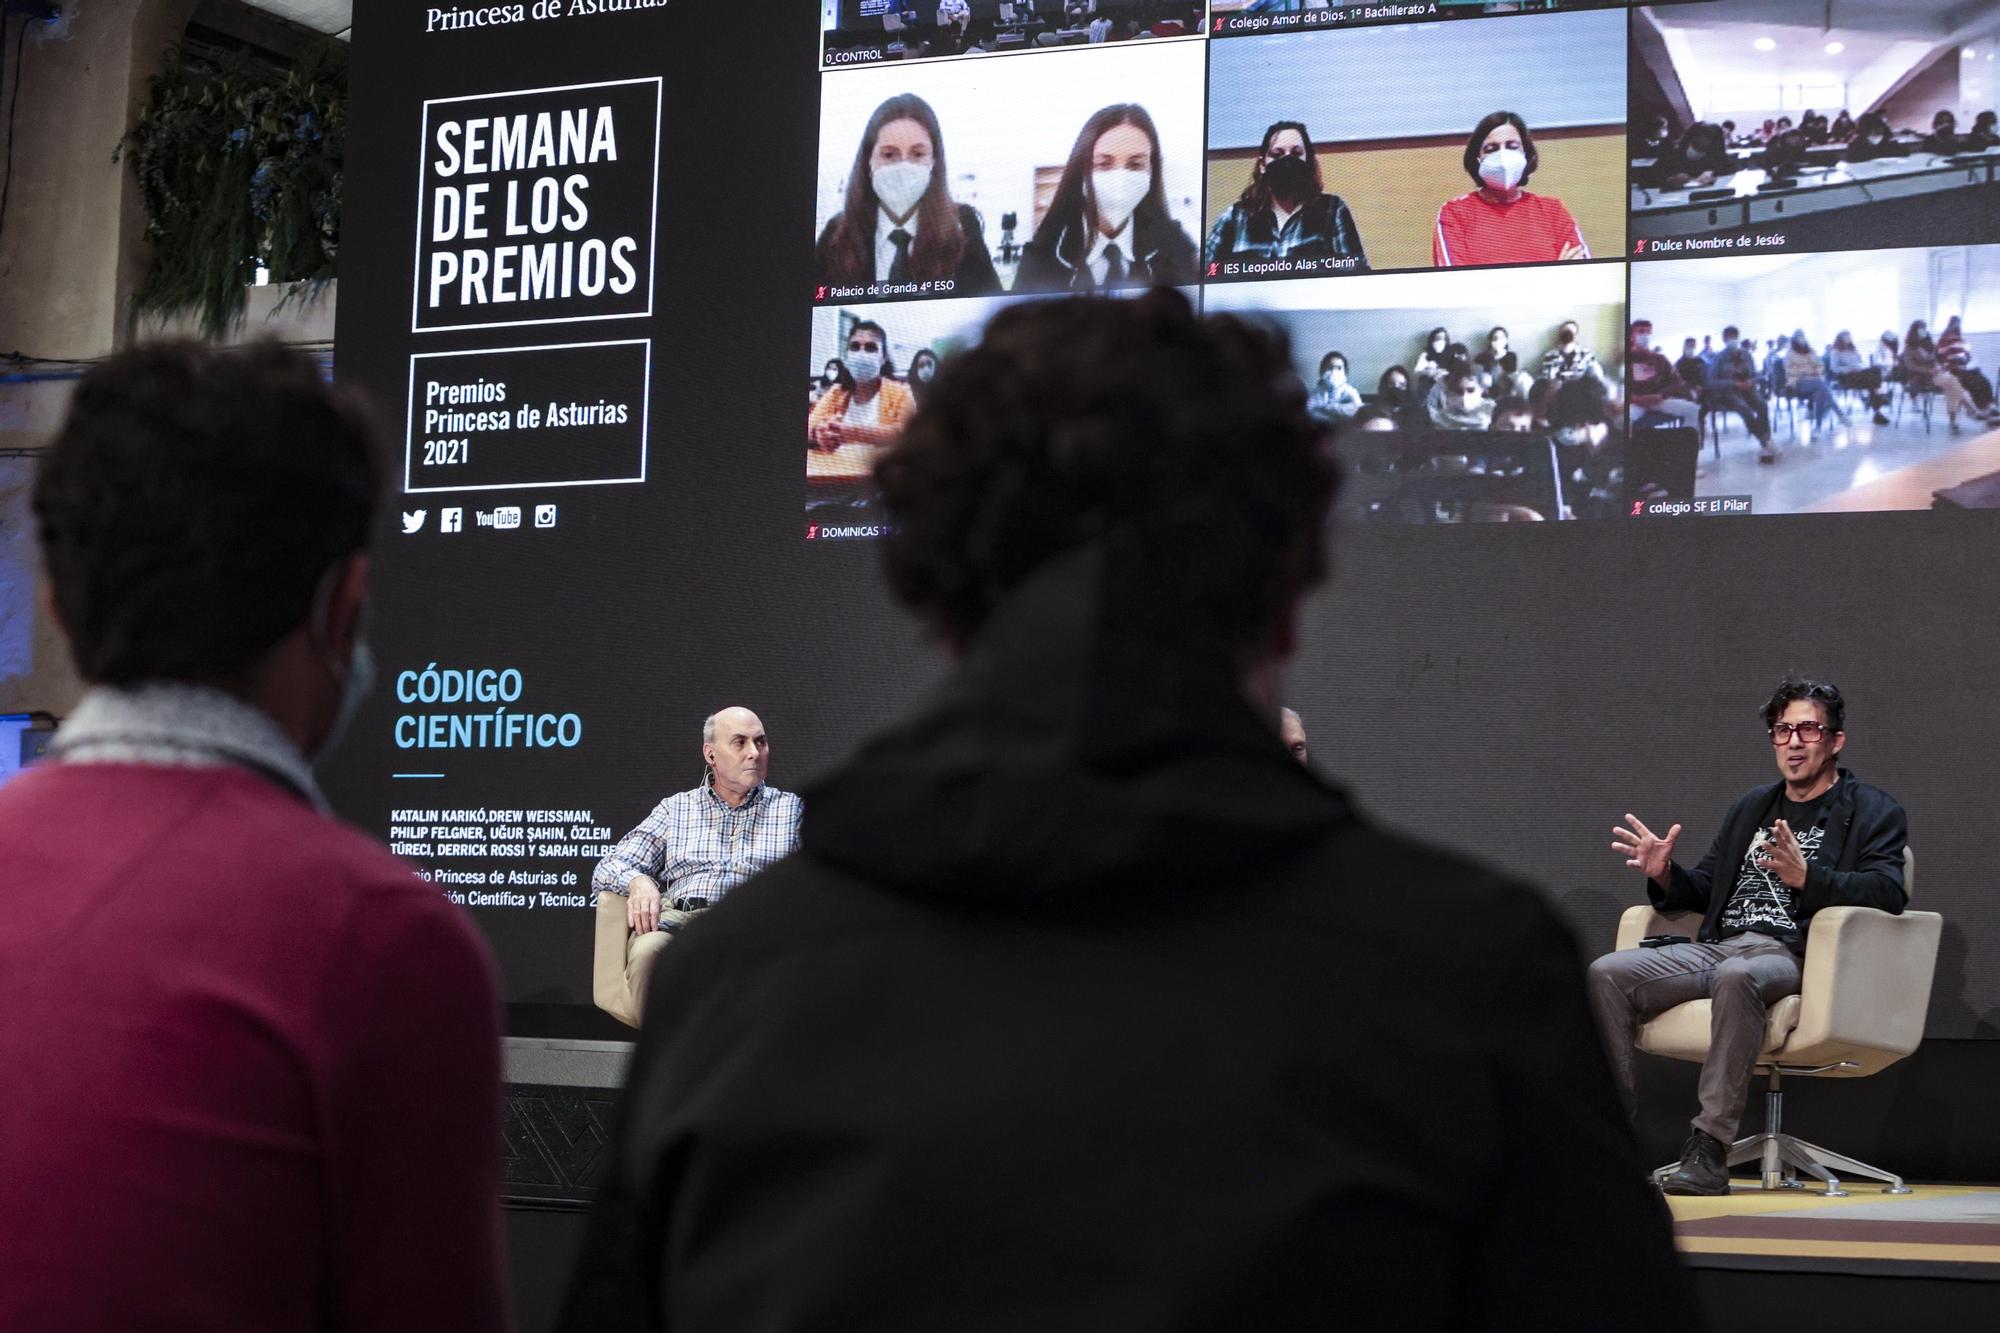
[
  {"x": 1765, "y": 44},
  {"x": 1969, "y": 53},
  {"x": 1835, "y": 48}
]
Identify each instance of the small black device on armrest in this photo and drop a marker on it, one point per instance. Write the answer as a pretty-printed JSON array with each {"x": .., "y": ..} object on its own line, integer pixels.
[{"x": 1661, "y": 941}]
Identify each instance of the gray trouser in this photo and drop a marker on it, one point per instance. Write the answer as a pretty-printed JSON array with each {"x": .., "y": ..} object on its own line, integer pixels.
[{"x": 1742, "y": 976}]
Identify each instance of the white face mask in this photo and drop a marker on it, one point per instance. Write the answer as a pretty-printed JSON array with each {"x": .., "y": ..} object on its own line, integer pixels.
[
  {"x": 1118, "y": 192},
  {"x": 864, "y": 366},
  {"x": 1503, "y": 168},
  {"x": 355, "y": 687},
  {"x": 899, "y": 185},
  {"x": 356, "y": 675},
  {"x": 1335, "y": 376}
]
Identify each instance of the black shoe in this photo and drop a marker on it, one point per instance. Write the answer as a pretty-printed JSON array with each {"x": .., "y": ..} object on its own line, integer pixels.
[
  {"x": 1881, "y": 420},
  {"x": 1703, "y": 1169}
]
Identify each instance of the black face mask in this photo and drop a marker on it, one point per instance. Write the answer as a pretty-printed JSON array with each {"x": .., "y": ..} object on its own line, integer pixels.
[{"x": 1289, "y": 177}]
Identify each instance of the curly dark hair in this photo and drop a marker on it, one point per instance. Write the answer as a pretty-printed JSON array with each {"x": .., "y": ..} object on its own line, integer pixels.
[
  {"x": 1794, "y": 688},
  {"x": 1075, "y": 416},
  {"x": 1583, "y": 401},
  {"x": 192, "y": 504}
]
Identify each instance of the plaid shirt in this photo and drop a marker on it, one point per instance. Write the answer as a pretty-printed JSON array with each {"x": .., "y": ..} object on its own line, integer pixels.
[
  {"x": 1574, "y": 364},
  {"x": 696, "y": 848}
]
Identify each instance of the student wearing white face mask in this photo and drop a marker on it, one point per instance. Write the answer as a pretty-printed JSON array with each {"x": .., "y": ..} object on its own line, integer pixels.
[
  {"x": 1334, "y": 396},
  {"x": 898, "y": 223},
  {"x": 872, "y": 412},
  {"x": 1456, "y": 403},
  {"x": 1107, "y": 227},
  {"x": 1500, "y": 222}
]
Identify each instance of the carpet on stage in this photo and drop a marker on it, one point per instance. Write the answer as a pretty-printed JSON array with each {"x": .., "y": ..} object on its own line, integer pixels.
[{"x": 1935, "y": 1230}]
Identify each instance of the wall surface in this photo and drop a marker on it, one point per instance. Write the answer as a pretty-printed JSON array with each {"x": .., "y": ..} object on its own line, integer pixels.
[
  {"x": 72, "y": 247},
  {"x": 72, "y": 251},
  {"x": 1929, "y": 91}
]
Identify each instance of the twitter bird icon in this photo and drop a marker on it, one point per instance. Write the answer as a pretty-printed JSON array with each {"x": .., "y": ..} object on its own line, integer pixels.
[{"x": 413, "y": 520}]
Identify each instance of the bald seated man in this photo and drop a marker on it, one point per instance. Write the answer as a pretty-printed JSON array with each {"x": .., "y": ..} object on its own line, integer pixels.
[
  {"x": 698, "y": 845},
  {"x": 1292, "y": 730}
]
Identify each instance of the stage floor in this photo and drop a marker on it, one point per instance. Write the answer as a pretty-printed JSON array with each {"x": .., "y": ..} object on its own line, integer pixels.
[{"x": 1935, "y": 1231}]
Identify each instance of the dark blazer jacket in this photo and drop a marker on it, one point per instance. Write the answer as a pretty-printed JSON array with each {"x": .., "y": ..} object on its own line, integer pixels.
[
  {"x": 1162, "y": 256},
  {"x": 975, "y": 276},
  {"x": 1860, "y": 865}
]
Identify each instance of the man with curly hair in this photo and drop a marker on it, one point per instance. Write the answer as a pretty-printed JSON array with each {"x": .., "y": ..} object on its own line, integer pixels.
[
  {"x": 1815, "y": 838},
  {"x": 1084, "y": 1005}
]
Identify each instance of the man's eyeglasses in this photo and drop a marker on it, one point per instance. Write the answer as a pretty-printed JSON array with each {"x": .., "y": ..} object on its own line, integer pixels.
[{"x": 1812, "y": 733}]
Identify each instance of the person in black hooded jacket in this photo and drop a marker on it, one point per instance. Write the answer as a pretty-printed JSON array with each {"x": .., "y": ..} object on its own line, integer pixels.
[
  {"x": 1085, "y": 1005},
  {"x": 1817, "y": 838}
]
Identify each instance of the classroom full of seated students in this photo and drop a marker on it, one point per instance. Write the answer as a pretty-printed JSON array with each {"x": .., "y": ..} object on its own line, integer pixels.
[
  {"x": 1449, "y": 387},
  {"x": 1703, "y": 153},
  {"x": 1749, "y": 378}
]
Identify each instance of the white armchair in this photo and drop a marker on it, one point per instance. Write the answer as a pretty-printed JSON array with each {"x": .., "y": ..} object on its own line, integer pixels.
[{"x": 1860, "y": 1008}]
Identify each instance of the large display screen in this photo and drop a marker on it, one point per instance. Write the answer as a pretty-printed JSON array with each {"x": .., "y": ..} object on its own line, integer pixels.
[{"x": 647, "y": 286}]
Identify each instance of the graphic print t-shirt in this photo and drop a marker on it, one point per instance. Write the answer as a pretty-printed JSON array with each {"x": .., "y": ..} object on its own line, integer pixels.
[{"x": 1762, "y": 902}]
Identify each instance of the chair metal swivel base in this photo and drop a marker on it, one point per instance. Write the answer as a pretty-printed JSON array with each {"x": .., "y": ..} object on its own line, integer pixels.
[{"x": 1782, "y": 1156}]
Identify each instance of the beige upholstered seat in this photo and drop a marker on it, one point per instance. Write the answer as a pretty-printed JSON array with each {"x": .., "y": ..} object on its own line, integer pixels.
[
  {"x": 1860, "y": 1008},
  {"x": 1682, "y": 1031},
  {"x": 621, "y": 964}
]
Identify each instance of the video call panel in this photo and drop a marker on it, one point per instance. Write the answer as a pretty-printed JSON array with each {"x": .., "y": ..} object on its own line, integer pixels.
[
  {"x": 899, "y": 348},
  {"x": 863, "y": 32},
  {"x": 1450, "y": 370},
  {"x": 1867, "y": 350},
  {"x": 1537, "y": 102},
  {"x": 1754, "y": 129},
  {"x": 1715, "y": 258},
  {"x": 997, "y": 174}
]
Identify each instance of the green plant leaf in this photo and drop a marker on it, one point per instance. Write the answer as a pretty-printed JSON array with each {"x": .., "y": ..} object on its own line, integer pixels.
[{"x": 237, "y": 165}]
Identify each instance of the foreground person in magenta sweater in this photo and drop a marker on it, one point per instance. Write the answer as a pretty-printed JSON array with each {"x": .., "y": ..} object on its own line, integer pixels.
[{"x": 251, "y": 1060}]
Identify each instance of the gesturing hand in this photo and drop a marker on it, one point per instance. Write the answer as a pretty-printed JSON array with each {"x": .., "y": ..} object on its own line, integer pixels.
[
  {"x": 1643, "y": 849},
  {"x": 1782, "y": 857}
]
